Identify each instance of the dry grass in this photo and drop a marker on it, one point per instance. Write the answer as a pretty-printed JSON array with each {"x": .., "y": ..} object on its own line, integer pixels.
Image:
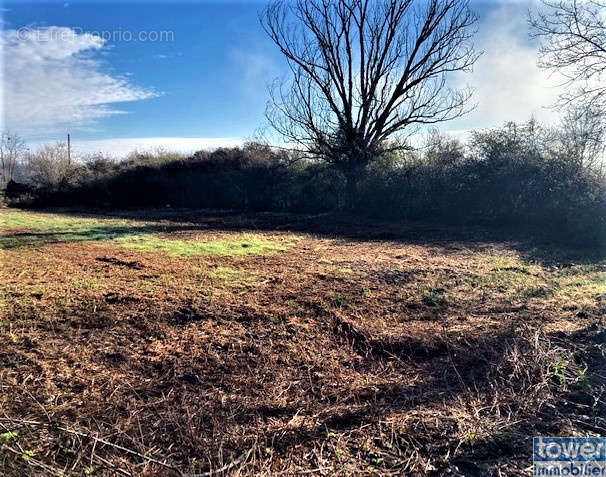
[{"x": 315, "y": 349}]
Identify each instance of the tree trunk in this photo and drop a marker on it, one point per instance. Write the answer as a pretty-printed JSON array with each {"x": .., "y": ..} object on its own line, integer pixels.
[
  {"x": 351, "y": 193},
  {"x": 352, "y": 182}
]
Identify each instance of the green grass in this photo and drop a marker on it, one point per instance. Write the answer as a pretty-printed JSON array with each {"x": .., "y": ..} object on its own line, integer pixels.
[
  {"x": 247, "y": 245},
  {"x": 79, "y": 284},
  {"x": 338, "y": 301},
  {"x": 232, "y": 277},
  {"x": 45, "y": 222},
  {"x": 510, "y": 275},
  {"x": 535, "y": 292},
  {"x": 581, "y": 284},
  {"x": 22, "y": 229},
  {"x": 510, "y": 264},
  {"x": 433, "y": 297}
]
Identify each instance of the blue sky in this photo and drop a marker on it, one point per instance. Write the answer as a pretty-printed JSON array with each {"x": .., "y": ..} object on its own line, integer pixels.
[{"x": 204, "y": 82}]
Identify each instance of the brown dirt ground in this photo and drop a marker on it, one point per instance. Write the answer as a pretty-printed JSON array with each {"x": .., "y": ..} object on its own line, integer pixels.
[{"x": 361, "y": 349}]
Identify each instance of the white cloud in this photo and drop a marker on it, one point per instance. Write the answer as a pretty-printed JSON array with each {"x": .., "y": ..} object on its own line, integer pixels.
[
  {"x": 52, "y": 81},
  {"x": 121, "y": 146},
  {"x": 257, "y": 70},
  {"x": 508, "y": 84}
]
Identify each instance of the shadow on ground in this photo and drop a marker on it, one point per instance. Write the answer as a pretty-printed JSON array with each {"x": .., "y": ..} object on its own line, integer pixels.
[
  {"x": 532, "y": 245},
  {"x": 12, "y": 240}
]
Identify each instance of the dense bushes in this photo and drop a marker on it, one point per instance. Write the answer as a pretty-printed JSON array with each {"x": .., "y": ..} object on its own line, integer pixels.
[
  {"x": 253, "y": 177},
  {"x": 516, "y": 176}
]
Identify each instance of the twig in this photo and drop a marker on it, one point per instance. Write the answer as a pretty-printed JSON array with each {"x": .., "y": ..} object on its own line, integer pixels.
[
  {"x": 461, "y": 382},
  {"x": 102, "y": 441},
  {"x": 34, "y": 462},
  {"x": 226, "y": 467},
  {"x": 119, "y": 447}
]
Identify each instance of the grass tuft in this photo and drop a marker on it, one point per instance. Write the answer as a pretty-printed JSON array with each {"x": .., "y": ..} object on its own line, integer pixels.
[{"x": 232, "y": 277}]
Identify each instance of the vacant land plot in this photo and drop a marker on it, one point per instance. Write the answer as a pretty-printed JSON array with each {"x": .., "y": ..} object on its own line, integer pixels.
[{"x": 176, "y": 342}]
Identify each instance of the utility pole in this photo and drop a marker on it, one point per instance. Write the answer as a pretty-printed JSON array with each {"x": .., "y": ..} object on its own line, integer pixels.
[{"x": 69, "y": 150}]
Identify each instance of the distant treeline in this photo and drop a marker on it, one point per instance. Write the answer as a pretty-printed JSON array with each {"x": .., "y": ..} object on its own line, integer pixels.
[{"x": 520, "y": 176}]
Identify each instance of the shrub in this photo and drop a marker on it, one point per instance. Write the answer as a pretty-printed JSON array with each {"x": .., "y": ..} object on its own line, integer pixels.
[{"x": 518, "y": 176}]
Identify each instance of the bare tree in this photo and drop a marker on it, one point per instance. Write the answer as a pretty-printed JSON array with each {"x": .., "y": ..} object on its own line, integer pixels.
[
  {"x": 581, "y": 136},
  {"x": 49, "y": 167},
  {"x": 12, "y": 149},
  {"x": 573, "y": 43},
  {"x": 365, "y": 72}
]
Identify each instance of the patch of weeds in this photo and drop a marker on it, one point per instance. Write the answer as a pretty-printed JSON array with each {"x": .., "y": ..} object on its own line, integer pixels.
[
  {"x": 407, "y": 296},
  {"x": 7, "y": 437},
  {"x": 583, "y": 283},
  {"x": 232, "y": 277},
  {"x": 36, "y": 291},
  {"x": 84, "y": 283},
  {"x": 556, "y": 372},
  {"x": 365, "y": 292},
  {"x": 510, "y": 265},
  {"x": 321, "y": 247},
  {"x": 434, "y": 297},
  {"x": 505, "y": 274},
  {"x": 26, "y": 455},
  {"x": 536, "y": 292},
  {"x": 338, "y": 301},
  {"x": 580, "y": 284}
]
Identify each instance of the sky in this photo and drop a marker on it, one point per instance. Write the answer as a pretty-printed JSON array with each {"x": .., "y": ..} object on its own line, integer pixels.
[{"x": 189, "y": 75}]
